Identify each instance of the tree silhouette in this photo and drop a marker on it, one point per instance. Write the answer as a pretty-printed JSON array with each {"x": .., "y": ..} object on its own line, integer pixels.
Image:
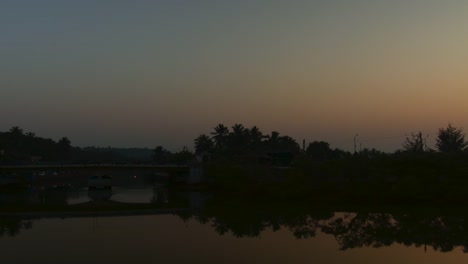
[
  {"x": 255, "y": 136},
  {"x": 161, "y": 155},
  {"x": 65, "y": 144},
  {"x": 203, "y": 143},
  {"x": 414, "y": 143},
  {"x": 319, "y": 150},
  {"x": 273, "y": 139},
  {"x": 238, "y": 131},
  {"x": 288, "y": 144},
  {"x": 219, "y": 135},
  {"x": 450, "y": 139},
  {"x": 183, "y": 156},
  {"x": 238, "y": 138},
  {"x": 16, "y": 131}
]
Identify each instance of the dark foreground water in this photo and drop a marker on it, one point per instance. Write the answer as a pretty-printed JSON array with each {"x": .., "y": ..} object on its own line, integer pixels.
[
  {"x": 193, "y": 227},
  {"x": 168, "y": 239}
]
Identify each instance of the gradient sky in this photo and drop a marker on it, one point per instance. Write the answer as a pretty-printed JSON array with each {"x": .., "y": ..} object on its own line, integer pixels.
[{"x": 146, "y": 73}]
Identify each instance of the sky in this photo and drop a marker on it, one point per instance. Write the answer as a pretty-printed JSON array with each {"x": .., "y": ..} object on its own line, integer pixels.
[{"x": 147, "y": 73}]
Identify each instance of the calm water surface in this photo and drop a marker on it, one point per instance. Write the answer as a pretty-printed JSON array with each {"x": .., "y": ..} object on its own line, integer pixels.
[
  {"x": 218, "y": 230},
  {"x": 169, "y": 239}
]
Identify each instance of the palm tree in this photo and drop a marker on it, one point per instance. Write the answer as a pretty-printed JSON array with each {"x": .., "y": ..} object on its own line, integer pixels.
[
  {"x": 273, "y": 138},
  {"x": 238, "y": 130},
  {"x": 238, "y": 139},
  {"x": 219, "y": 135},
  {"x": 255, "y": 135},
  {"x": 203, "y": 143}
]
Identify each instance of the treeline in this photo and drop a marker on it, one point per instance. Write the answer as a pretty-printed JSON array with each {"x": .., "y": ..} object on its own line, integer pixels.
[
  {"x": 448, "y": 159},
  {"x": 17, "y": 147},
  {"x": 245, "y": 160},
  {"x": 164, "y": 156},
  {"x": 242, "y": 142},
  {"x": 233, "y": 144},
  {"x": 238, "y": 144}
]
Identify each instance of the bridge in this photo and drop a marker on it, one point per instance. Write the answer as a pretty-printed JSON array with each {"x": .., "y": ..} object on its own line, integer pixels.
[
  {"x": 182, "y": 173},
  {"x": 81, "y": 166}
]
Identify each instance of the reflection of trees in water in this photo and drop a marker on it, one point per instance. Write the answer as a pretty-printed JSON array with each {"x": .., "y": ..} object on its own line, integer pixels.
[
  {"x": 240, "y": 227},
  {"x": 246, "y": 221},
  {"x": 304, "y": 224},
  {"x": 363, "y": 229},
  {"x": 351, "y": 230},
  {"x": 377, "y": 230},
  {"x": 11, "y": 226}
]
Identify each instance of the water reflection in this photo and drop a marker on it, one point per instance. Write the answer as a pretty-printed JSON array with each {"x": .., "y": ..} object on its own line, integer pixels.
[
  {"x": 442, "y": 233},
  {"x": 11, "y": 226},
  {"x": 353, "y": 229},
  {"x": 143, "y": 195},
  {"x": 350, "y": 230},
  {"x": 122, "y": 195},
  {"x": 99, "y": 195},
  {"x": 63, "y": 196}
]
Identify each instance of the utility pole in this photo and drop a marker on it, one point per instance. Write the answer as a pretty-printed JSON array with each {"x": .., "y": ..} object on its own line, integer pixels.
[
  {"x": 355, "y": 143},
  {"x": 421, "y": 143}
]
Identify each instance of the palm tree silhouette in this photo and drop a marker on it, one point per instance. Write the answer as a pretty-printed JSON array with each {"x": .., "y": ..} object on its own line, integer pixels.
[
  {"x": 255, "y": 135},
  {"x": 219, "y": 135},
  {"x": 203, "y": 143},
  {"x": 273, "y": 139},
  {"x": 238, "y": 130},
  {"x": 238, "y": 139}
]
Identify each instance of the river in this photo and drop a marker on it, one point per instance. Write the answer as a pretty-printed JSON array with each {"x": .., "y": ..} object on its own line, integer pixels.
[{"x": 194, "y": 227}]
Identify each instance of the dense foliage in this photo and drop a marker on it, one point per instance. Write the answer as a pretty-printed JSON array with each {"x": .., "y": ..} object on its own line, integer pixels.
[
  {"x": 18, "y": 147},
  {"x": 15, "y": 145}
]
